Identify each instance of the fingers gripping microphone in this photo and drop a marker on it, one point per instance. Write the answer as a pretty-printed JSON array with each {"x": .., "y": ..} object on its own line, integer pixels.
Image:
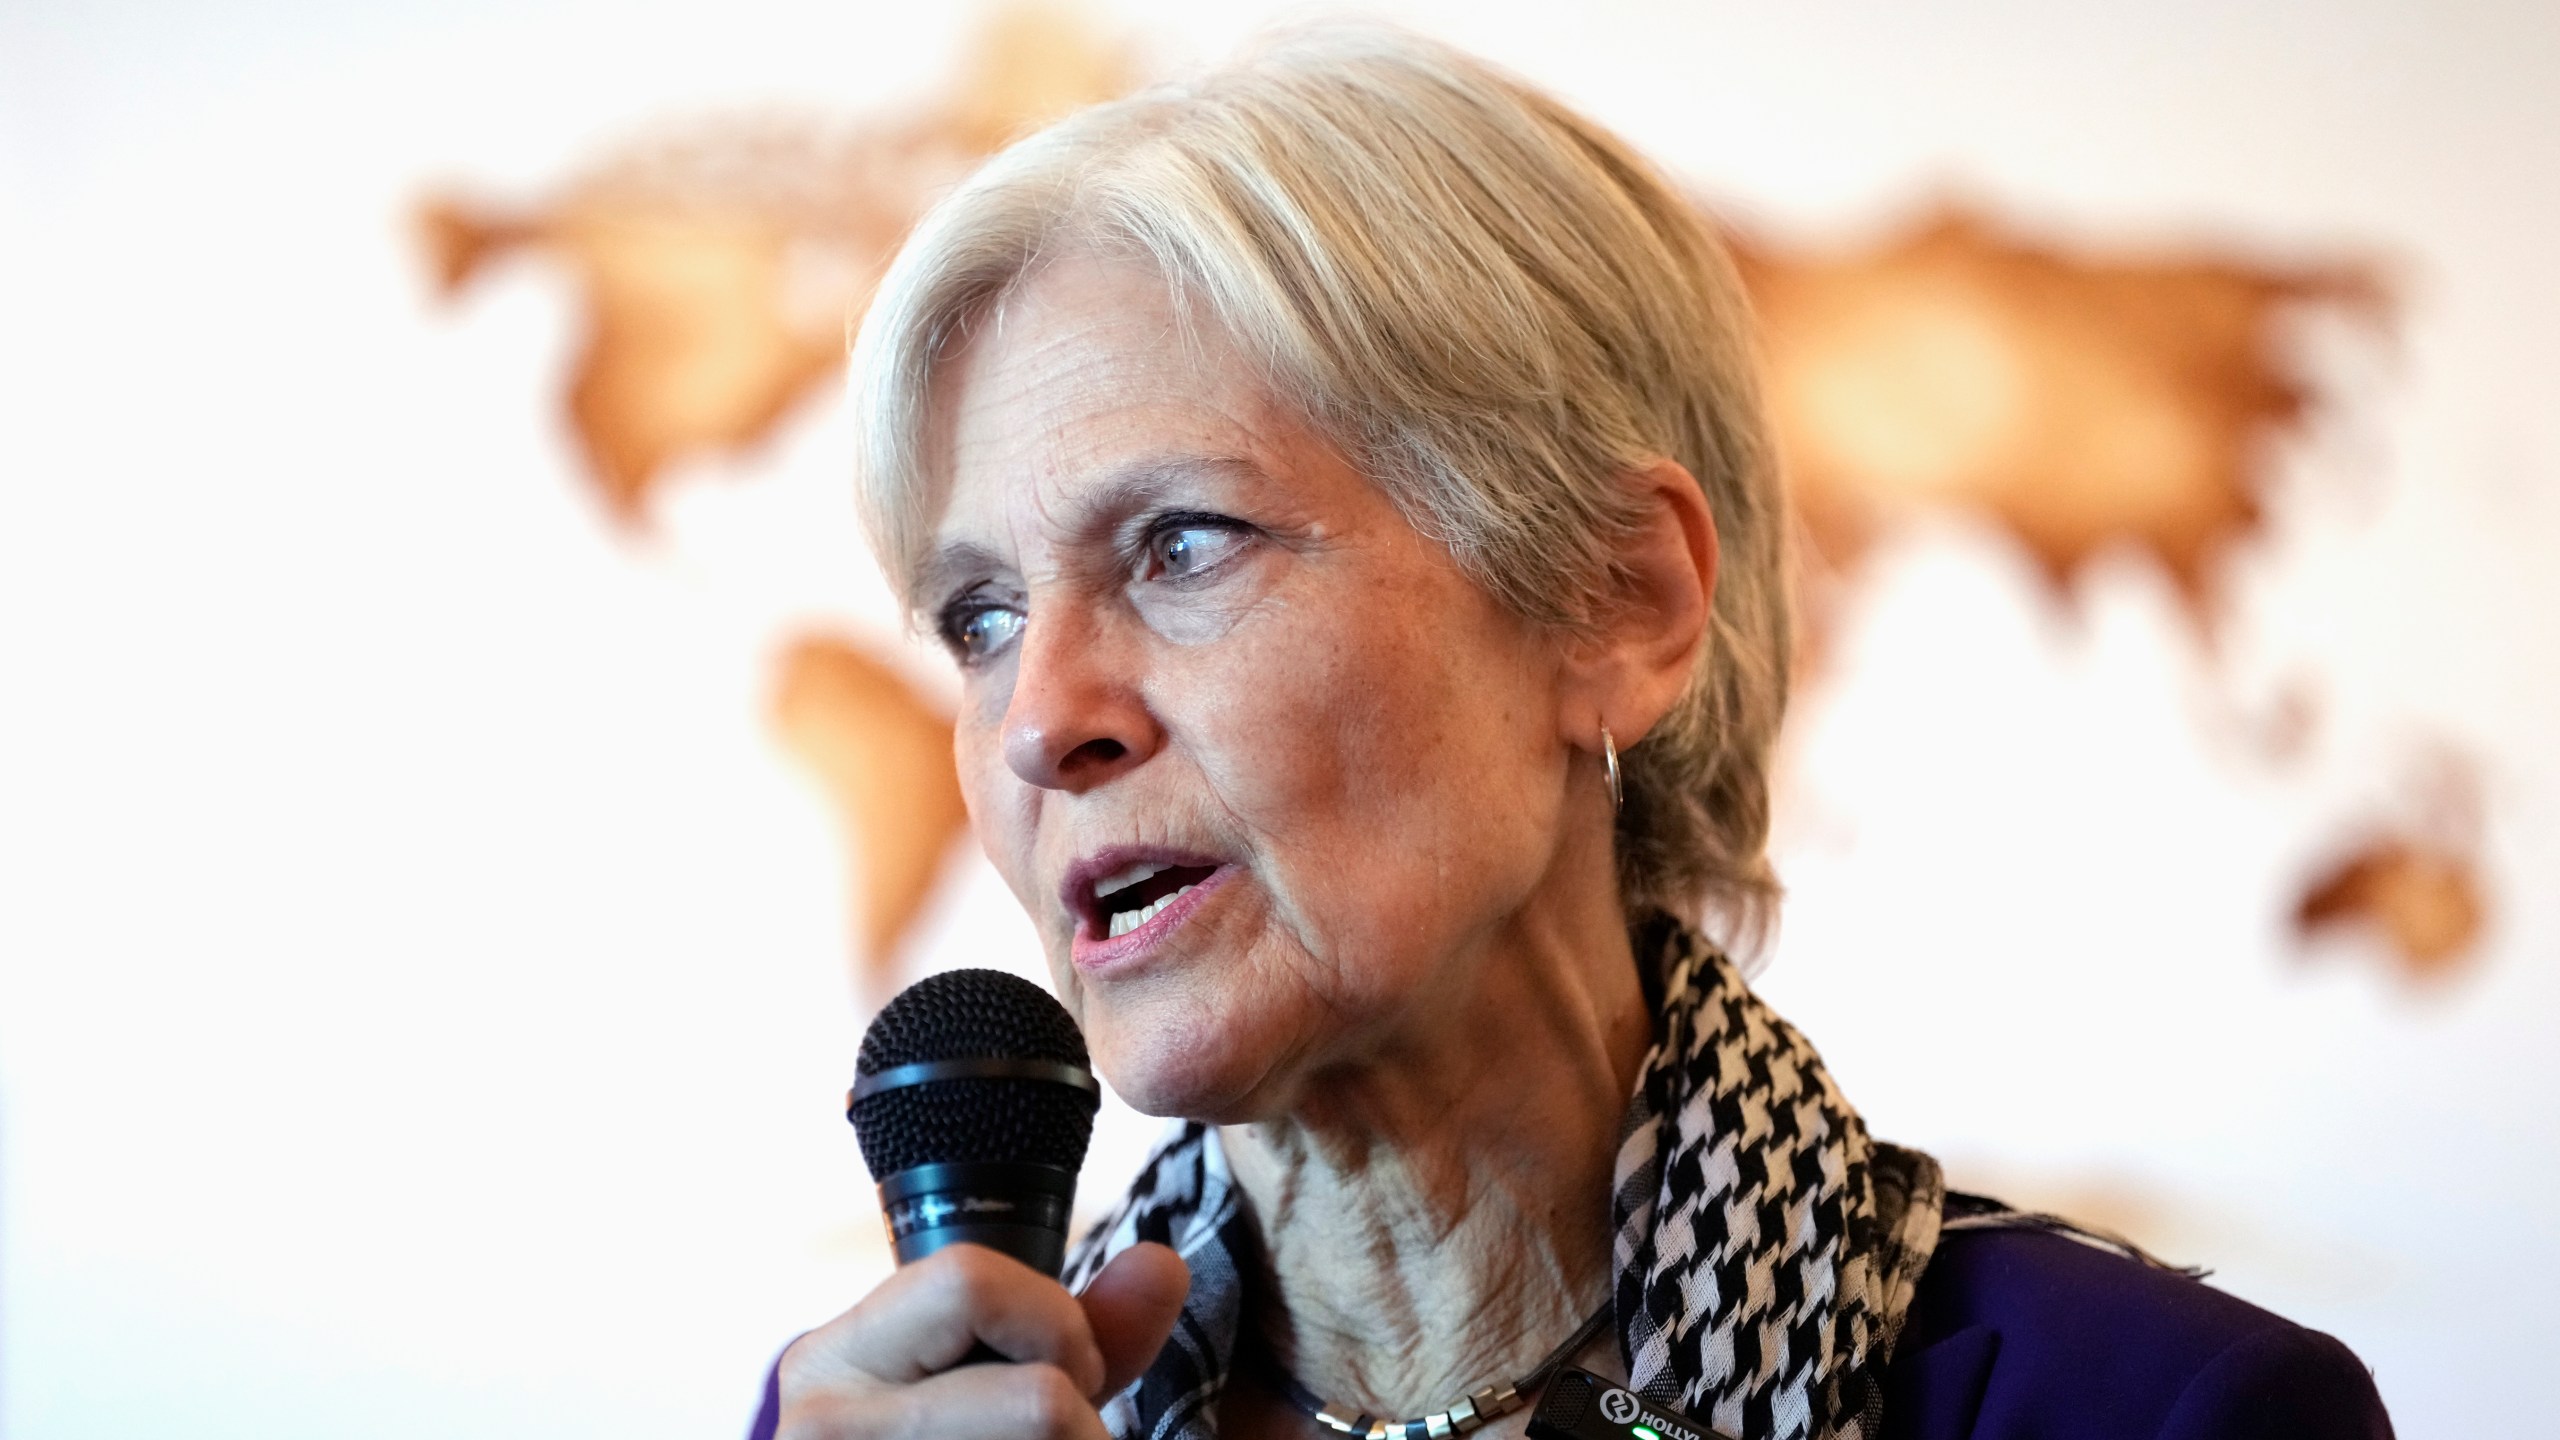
[{"x": 974, "y": 1099}]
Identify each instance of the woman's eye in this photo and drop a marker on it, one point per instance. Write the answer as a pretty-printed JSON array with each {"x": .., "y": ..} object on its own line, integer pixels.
[
  {"x": 976, "y": 631},
  {"x": 1178, "y": 551}
]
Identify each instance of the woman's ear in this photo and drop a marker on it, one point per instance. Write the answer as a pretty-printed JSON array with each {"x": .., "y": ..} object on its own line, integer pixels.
[{"x": 1640, "y": 657}]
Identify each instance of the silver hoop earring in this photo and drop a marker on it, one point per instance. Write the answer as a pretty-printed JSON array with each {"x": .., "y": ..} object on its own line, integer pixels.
[{"x": 1609, "y": 756}]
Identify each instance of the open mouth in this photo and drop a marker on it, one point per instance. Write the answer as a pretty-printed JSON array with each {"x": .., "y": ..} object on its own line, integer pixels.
[{"x": 1130, "y": 897}]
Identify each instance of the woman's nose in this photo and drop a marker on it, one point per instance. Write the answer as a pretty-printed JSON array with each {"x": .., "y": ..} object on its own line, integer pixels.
[{"x": 1076, "y": 717}]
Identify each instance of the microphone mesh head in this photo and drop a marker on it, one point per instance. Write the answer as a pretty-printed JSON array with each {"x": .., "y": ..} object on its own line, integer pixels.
[{"x": 968, "y": 1015}]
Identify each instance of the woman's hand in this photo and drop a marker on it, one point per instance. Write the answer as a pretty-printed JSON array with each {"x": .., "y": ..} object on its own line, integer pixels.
[{"x": 885, "y": 1369}]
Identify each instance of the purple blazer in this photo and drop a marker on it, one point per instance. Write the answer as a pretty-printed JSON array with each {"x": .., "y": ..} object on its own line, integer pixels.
[
  {"x": 2028, "y": 1335},
  {"x": 2023, "y": 1333}
]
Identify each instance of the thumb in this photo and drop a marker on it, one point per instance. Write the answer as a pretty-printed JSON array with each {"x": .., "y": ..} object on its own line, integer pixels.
[{"x": 1132, "y": 1305}]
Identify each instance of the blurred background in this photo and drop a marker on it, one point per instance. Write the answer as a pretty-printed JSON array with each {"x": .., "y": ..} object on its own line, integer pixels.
[{"x": 463, "y": 788}]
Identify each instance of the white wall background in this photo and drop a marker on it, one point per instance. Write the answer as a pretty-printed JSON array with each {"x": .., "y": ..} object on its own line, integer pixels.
[{"x": 422, "y": 1003}]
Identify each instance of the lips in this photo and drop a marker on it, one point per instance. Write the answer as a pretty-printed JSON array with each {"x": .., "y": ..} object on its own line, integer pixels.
[{"x": 1125, "y": 899}]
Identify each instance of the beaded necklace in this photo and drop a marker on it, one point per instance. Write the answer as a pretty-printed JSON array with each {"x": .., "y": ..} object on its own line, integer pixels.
[{"x": 1470, "y": 1413}]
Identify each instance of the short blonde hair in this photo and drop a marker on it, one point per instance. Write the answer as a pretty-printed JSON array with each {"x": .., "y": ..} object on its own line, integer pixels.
[{"x": 1493, "y": 306}]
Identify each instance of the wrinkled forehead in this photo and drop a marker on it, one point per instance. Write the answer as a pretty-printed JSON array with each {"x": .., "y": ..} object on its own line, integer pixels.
[{"x": 1085, "y": 388}]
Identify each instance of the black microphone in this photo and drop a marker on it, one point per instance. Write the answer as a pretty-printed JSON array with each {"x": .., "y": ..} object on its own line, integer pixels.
[{"x": 974, "y": 1100}]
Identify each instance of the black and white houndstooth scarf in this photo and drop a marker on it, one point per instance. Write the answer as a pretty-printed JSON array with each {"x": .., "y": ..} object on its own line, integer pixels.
[{"x": 1767, "y": 1248}]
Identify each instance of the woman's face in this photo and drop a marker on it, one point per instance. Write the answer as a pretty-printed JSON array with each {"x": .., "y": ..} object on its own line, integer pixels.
[{"x": 1268, "y": 772}]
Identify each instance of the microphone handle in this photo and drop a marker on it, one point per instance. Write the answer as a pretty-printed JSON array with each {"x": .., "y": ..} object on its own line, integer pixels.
[{"x": 1013, "y": 1207}]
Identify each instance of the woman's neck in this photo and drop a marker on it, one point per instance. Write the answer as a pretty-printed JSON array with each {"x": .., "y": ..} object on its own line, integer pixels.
[{"x": 1436, "y": 1220}]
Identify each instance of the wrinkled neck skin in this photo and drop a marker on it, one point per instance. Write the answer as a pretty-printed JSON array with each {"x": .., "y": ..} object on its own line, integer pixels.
[{"x": 1435, "y": 1215}]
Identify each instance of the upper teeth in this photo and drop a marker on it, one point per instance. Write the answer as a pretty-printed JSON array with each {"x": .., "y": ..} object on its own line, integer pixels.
[
  {"x": 1124, "y": 921},
  {"x": 1143, "y": 870}
]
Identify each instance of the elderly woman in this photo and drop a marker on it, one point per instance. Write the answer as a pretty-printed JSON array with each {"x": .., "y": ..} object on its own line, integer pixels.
[{"x": 1340, "y": 485}]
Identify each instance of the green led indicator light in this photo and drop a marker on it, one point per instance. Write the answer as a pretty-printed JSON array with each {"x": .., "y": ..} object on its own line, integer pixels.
[{"x": 1641, "y": 1433}]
